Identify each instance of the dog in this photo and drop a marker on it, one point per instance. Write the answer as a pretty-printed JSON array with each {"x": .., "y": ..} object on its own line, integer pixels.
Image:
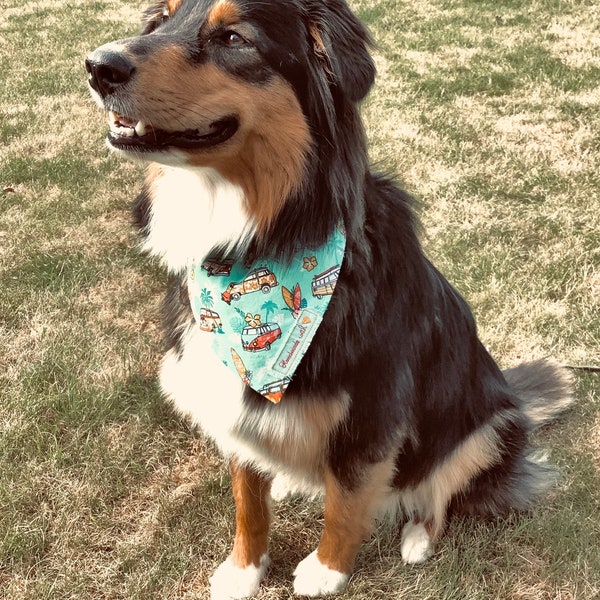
[{"x": 247, "y": 113}]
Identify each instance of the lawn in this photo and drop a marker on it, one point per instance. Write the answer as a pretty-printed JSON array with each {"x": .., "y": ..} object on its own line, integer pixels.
[{"x": 489, "y": 112}]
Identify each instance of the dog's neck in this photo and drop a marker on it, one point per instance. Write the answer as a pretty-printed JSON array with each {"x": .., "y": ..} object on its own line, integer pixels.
[
  {"x": 195, "y": 210},
  {"x": 192, "y": 210}
]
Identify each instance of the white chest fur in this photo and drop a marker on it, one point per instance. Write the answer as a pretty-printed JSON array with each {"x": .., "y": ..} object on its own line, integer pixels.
[
  {"x": 203, "y": 388},
  {"x": 192, "y": 210}
]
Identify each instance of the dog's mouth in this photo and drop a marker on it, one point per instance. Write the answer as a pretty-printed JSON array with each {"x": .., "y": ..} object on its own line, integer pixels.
[{"x": 137, "y": 136}]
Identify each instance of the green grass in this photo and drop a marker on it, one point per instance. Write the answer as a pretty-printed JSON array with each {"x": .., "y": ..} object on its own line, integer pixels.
[{"x": 490, "y": 114}]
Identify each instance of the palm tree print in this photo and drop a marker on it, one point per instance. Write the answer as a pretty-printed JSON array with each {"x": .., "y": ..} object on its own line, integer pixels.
[
  {"x": 206, "y": 298},
  {"x": 269, "y": 307}
]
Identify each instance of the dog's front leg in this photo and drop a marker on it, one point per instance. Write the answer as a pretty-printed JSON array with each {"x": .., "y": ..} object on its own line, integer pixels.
[
  {"x": 348, "y": 522},
  {"x": 240, "y": 575}
]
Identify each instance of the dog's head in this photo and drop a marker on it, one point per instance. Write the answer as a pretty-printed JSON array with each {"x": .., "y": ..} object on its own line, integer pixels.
[
  {"x": 258, "y": 90},
  {"x": 206, "y": 76}
]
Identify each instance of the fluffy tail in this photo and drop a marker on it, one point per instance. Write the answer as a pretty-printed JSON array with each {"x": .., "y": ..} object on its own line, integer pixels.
[
  {"x": 522, "y": 476},
  {"x": 544, "y": 387}
]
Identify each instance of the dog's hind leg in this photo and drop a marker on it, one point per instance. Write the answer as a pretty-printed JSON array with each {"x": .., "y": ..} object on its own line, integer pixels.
[
  {"x": 429, "y": 501},
  {"x": 349, "y": 516},
  {"x": 241, "y": 574}
]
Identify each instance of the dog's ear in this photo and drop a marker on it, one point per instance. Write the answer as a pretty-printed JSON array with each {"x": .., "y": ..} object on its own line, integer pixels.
[
  {"x": 153, "y": 16},
  {"x": 340, "y": 43}
]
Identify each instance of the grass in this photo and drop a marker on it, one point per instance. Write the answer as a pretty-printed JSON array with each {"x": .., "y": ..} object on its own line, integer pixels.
[{"x": 490, "y": 114}]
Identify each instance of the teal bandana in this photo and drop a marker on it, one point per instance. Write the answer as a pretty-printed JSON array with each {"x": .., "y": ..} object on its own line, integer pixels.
[{"x": 262, "y": 318}]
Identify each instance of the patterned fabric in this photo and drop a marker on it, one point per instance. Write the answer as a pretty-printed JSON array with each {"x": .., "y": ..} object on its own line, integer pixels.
[{"x": 262, "y": 318}]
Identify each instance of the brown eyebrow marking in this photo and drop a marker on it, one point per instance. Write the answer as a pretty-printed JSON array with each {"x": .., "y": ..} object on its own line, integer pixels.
[
  {"x": 173, "y": 5},
  {"x": 223, "y": 12}
]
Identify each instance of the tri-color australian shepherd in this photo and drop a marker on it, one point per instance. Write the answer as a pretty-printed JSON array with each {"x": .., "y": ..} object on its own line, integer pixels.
[{"x": 247, "y": 112}]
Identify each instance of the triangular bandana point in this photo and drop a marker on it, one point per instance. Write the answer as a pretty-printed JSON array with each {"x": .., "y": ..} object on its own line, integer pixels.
[{"x": 269, "y": 312}]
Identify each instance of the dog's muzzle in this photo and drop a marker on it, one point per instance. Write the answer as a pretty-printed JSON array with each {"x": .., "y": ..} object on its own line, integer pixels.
[{"x": 109, "y": 73}]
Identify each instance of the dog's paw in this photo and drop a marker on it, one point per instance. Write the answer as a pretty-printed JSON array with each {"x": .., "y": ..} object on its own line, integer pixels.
[
  {"x": 281, "y": 488},
  {"x": 416, "y": 544},
  {"x": 312, "y": 578},
  {"x": 232, "y": 583}
]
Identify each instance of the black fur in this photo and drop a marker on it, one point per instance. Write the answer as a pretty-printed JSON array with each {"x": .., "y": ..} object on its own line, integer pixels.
[{"x": 397, "y": 338}]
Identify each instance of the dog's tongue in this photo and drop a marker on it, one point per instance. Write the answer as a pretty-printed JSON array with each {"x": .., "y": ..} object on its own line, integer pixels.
[{"x": 120, "y": 120}]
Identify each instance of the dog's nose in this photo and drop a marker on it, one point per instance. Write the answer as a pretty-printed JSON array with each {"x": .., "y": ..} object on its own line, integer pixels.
[{"x": 108, "y": 70}]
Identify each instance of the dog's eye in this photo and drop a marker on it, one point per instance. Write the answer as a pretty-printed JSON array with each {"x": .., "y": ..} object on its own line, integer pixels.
[{"x": 232, "y": 38}]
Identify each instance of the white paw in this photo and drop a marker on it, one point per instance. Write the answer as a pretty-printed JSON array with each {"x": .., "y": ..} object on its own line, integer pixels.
[
  {"x": 416, "y": 544},
  {"x": 312, "y": 578},
  {"x": 281, "y": 488},
  {"x": 231, "y": 583}
]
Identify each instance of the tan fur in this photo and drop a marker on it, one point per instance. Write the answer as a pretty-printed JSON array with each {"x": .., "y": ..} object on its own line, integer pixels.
[
  {"x": 475, "y": 454},
  {"x": 296, "y": 434},
  {"x": 319, "y": 47},
  {"x": 266, "y": 157},
  {"x": 153, "y": 172},
  {"x": 349, "y": 515},
  {"x": 223, "y": 12},
  {"x": 173, "y": 5},
  {"x": 253, "y": 516},
  {"x": 269, "y": 160}
]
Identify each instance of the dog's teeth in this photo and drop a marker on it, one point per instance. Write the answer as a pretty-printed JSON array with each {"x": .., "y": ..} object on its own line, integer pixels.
[
  {"x": 122, "y": 125},
  {"x": 123, "y": 130},
  {"x": 140, "y": 128}
]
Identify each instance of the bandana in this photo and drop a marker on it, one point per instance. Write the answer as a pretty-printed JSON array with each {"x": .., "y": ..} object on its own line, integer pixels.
[{"x": 262, "y": 318}]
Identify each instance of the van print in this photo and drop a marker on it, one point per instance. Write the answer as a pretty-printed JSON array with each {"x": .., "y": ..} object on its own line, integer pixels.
[
  {"x": 209, "y": 320},
  {"x": 324, "y": 283},
  {"x": 261, "y": 279},
  {"x": 274, "y": 391},
  {"x": 212, "y": 266},
  {"x": 260, "y": 337}
]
